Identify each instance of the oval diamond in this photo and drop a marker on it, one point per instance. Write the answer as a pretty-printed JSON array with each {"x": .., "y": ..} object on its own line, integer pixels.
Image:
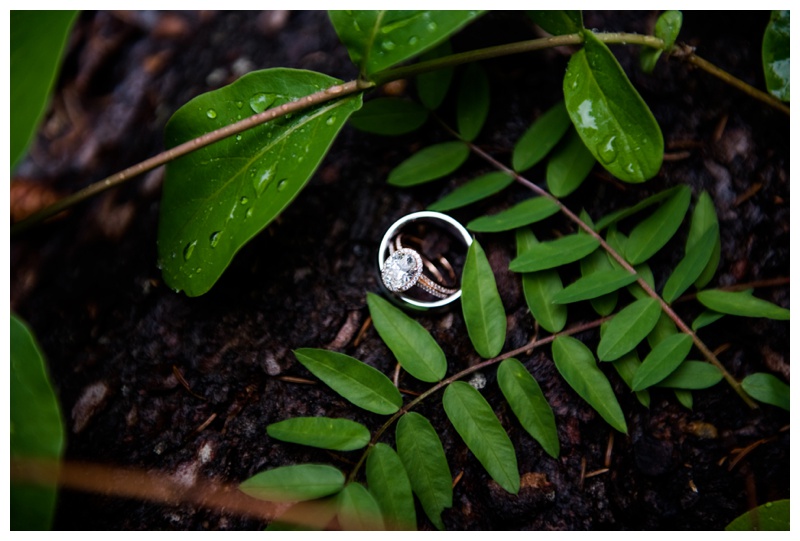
[{"x": 402, "y": 270}]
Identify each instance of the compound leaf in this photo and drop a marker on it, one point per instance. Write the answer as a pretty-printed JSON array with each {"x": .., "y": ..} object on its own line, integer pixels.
[
  {"x": 540, "y": 138},
  {"x": 483, "y": 310},
  {"x": 476, "y": 189},
  {"x": 389, "y": 485},
  {"x": 662, "y": 360},
  {"x": 389, "y": 116},
  {"x": 529, "y": 404},
  {"x": 358, "y": 510},
  {"x": 217, "y": 198},
  {"x": 768, "y": 389},
  {"x": 527, "y": 212},
  {"x": 652, "y": 233},
  {"x": 577, "y": 366},
  {"x": 594, "y": 285},
  {"x": 412, "y": 345},
  {"x": 322, "y": 432},
  {"x": 294, "y": 483},
  {"x": 775, "y": 55},
  {"x": 611, "y": 117},
  {"x": 429, "y": 164},
  {"x": 740, "y": 303},
  {"x": 480, "y": 429},
  {"x": 629, "y": 327},
  {"x": 472, "y": 103},
  {"x": 540, "y": 287},
  {"x": 355, "y": 381},
  {"x": 422, "y": 455},
  {"x": 554, "y": 253},
  {"x": 569, "y": 166}
]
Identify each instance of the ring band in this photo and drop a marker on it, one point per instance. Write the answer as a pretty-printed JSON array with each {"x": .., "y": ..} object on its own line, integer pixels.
[{"x": 401, "y": 267}]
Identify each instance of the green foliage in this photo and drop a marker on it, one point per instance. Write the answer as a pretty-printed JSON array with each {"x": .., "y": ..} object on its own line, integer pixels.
[
  {"x": 554, "y": 253},
  {"x": 294, "y": 483},
  {"x": 323, "y": 432},
  {"x": 599, "y": 262},
  {"x": 38, "y": 40},
  {"x": 775, "y": 55},
  {"x": 692, "y": 375},
  {"x": 704, "y": 219},
  {"x": 627, "y": 366},
  {"x": 569, "y": 166},
  {"x": 389, "y": 485},
  {"x": 629, "y": 327},
  {"x": 483, "y": 310},
  {"x": 540, "y": 288},
  {"x": 389, "y": 116},
  {"x": 378, "y": 39},
  {"x": 594, "y": 285},
  {"x": 768, "y": 389},
  {"x": 429, "y": 164},
  {"x": 558, "y": 22},
  {"x": 707, "y": 317},
  {"x": 691, "y": 266},
  {"x": 662, "y": 361},
  {"x": 540, "y": 138},
  {"x": 472, "y": 103},
  {"x": 432, "y": 86},
  {"x": 740, "y": 303},
  {"x": 771, "y": 516},
  {"x": 474, "y": 190},
  {"x": 217, "y": 198},
  {"x": 480, "y": 429},
  {"x": 652, "y": 233},
  {"x": 647, "y": 202},
  {"x": 358, "y": 510},
  {"x": 413, "y": 346},
  {"x": 36, "y": 428},
  {"x": 527, "y": 212},
  {"x": 612, "y": 119},
  {"x": 357, "y": 382},
  {"x": 668, "y": 26}
]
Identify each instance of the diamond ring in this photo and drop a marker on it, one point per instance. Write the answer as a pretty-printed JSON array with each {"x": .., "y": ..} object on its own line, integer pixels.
[{"x": 402, "y": 267}]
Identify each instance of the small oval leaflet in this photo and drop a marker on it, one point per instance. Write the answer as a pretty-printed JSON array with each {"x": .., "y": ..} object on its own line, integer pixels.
[
  {"x": 540, "y": 287},
  {"x": 294, "y": 483},
  {"x": 527, "y": 212},
  {"x": 740, "y": 303},
  {"x": 429, "y": 164},
  {"x": 629, "y": 327},
  {"x": 662, "y": 360},
  {"x": 358, "y": 510},
  {"x": 323, "y": 432},
  {"x": 768, "y": 389},
  {"x": 569, "y": 166},
  {"x": 389, "y": 116},
  {"x": 476, "y": 189},
  {"x": 389, "y": 485},
  {"x": 554, "y": 253},
  {"x": 540, "y": 138},
  {"x": 483, "y": 310}
]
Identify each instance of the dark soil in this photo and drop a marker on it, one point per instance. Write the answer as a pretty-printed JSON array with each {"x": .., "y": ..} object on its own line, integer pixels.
[{"x": 118, "y": 341}]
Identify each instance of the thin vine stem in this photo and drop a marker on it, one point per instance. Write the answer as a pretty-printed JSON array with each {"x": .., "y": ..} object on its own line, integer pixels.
[
  {"x": 532, "y": 344},
  {"x": 360, "y": 85}
]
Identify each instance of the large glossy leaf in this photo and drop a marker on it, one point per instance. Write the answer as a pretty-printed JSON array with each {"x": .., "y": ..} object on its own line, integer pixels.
[
  {"x": 615, "y": 217},
  {"x": 529, "y": 404},
  {"x": 527, "y": 212},
  {"x": 775, "y": 55},
  {"x": 558, "y": 22},
  {"x": 611, "y": 117},
  {"x": 422, "y": 455},
  {"x": 626, "y": 366},
  {"x": 740, "y": 303},
  {"x": 472, "y": 103},
  {"x": 38, "y": 39},
  {"x": 432, "y": 86},
  {"x": 483, "y": 310},
  {"x": 412, "y": 345},
  {"x": 358, "y": 510},
  {"x": 629, "y": 327},
  {"x": 389, "y": 484},
  {"x": 480, "y": 429},
  {"x": 577, "y": 366},
  {"x": 540, "y": 287},
  {"x": 652, "y": 233},
  {"x": 667, "y": 28},
  {"x": 692, "y": 375},
  {"x": 569, "y": 166},
  {"x": 691, "y": 266},
  {"x": 378, "y": 39},
  {"x": 389, "y": 116},
  {"x": 768, "y": 389},
  {"x": 323, "y": 432},
  {"x": 294, "y": 483},
  {"x": 357, "y": 382},
  {"x": 594, "y": 285},
  {"x": 704, "y": 219},
  {"x": 36, "y": 430},
  {"x": 771, "y": 516},
  {"x": 540, "y": 138},
  {"x": 662, "y": 361},
  {"x": 554, "y": 253},
  {"x": 429, "y": 164},
  {"x": 217, "y": 198},
  {"x": 474, "y": 190}
]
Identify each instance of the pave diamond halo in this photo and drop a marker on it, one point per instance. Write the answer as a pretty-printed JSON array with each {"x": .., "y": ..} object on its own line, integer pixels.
[{"x": 401, "y": 270}]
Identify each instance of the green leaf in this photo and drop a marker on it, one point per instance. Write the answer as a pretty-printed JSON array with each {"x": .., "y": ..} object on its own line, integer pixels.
[
  {"x": 771, "y": 516},
  {"x": 692, "y": 375},
  {"x": 642, "y": 271},
  {"x": 577, "y": 366},
  {"x": 685, "y": 398},
  {"x": 629, "y": 327},
  {"x": 662, "y": 360},
  {"x": 294, "y": 483},
  {"x": 377, "y": 39},
  {"x": 540, "y": 287},
  {"x": 664, "y": 328},
  {"x": 691, "y": 266},
  {"x": 527, "y": 212},
  {"x": 554, "y": 253},
  {"x": 740, "y": 303},
  {"x": 474, "y": 190},
  {"x": 668, "y": 26},
  {"x": 412, "y": 345},
  {"x": 569, "y": 166},
  {"x": 540, "y": 138},
  {"x": 594, "y": 285},
  {"x": 422, "y": 454},
  {"x": 529, "y": 404},
  {"x": 322, "y": 432},
  {"x": 297, "y": 518},
  {"x": 596, "y": 262},
  {"x": 483, "y": 310},
  {"x": 472, "y": 103},
  {"x": 704, "y": 219},
  {"x": 558, "y": 22},
  {"x": 358, "y": 510},
  {"x": 654, "y": 232},
  {"x": 389, "y": 116},
  {"x": 775, "y": 55},
  {"x": 355, "y": 381},
  {"x": 389, "y": 484},
  {"x": 707, "y": 317},
  {"x": 429, "y": 164},
  {"x": 432, "y": 86},
  {"x": 615, "y": 217},
  {"x": 36, "y": 430},
  {"x": 480, "y": 429},
  {"x": 626, "y": 366},
  {"x": 611, "y": 117},
  {"x": 768, "y": 389},
  {"x": 217, "y": 198},
  {"x": 38, "y": 40}
]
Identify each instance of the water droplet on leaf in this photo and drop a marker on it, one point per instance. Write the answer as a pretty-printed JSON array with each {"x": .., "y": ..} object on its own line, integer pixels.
[
  {"x": 249, "y": 212},
  {"x": 239, "y": 104},
  {"x": 244, "y": 200},
  {"x": 607, "y": 150},
  {"x": 388, "y": 45},
  {"x": 214, "y": 239},
  {"x": 189, "y": 250},
  {"x": 331, "y": 120},
  {"x": 260, "y": 102},
  {"x": 260, "y": 182},
  {"x": 239, "y": 137},
  {"x": 432, "y": 26},
  {"x": 413, "y": 40},
  {"x": 282, "y": 184},
  {"x": 211, "y": 113}
]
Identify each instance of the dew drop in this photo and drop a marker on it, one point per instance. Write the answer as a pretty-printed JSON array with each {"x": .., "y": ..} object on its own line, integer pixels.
[
  {"x": 239, "y": 137},
  {"x": 260, "y": 182},
  {"x": 282, "y": 184},
  {"x": 331, "y": 120},
  {"x": 607, "y": 151},
  {"x": 244, "y": 200},
  {"x": 413, "y": 40},
  {"x": 211, "y": 113},
  {"x": 768, "y": 505},
  {"x": 260, "y": 102},
  {"x": 432, "y": 26},
  {"x": 214, "y": 240},
  {"x": 249, "y": 212},
  {"x": 388, "y": 45},
  {"x": 239, "y": 104},
  {"x": 189, "y": 250}
]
